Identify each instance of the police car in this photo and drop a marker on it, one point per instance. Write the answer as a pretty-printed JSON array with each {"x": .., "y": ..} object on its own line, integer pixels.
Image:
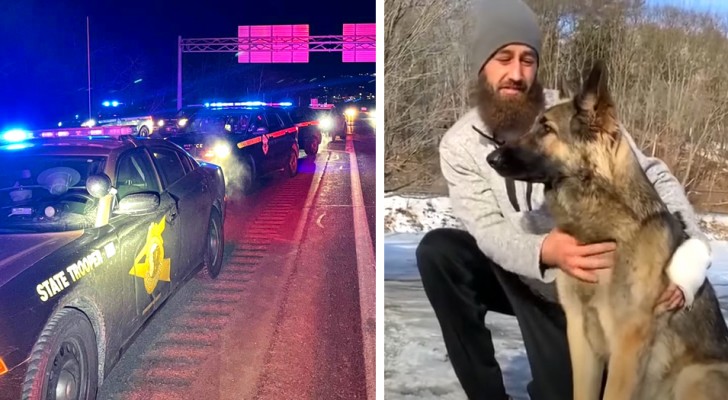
[
  {"x": 142, "y": 123},
  {"x": 314, "y": 121},
  {"x": 248, "y": 139},
  {"x": 97, "y": 230}
]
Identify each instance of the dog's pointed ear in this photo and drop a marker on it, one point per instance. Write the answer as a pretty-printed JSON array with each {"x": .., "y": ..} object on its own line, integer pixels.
[
  {"x": 595, "y": 102},
  {"x": 594, "y": 96}
]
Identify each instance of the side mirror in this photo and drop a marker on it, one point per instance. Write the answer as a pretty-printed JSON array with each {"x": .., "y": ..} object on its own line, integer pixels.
[
  {"x": 138, "y": 204},
  {"x": 98, "y": 185}
]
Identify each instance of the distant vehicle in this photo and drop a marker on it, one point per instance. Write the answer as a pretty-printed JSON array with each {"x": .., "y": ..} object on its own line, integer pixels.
[
  {"x": 314, "y": 121},
  {"x": 143, "y": 122},
  {"x": 98, "y": 229},
  {"x": 248, "y": 139},
  {"x": 360, "y": 112},
  {"x": 76, "y": 122}
]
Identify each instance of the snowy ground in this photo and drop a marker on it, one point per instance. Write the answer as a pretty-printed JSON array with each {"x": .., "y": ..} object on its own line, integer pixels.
[{"x": 416, "y": 363}]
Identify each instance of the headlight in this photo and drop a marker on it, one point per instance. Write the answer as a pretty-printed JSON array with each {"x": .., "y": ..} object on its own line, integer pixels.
[
  {"x": 182, "y": 122},
  {"x": 350, "y": 112},
  {"x": 326, "y": 123},
  {"x": 222, "y": 150},
  {"x": 160, "y": 123},
  {"x": 89, "y": 123}
]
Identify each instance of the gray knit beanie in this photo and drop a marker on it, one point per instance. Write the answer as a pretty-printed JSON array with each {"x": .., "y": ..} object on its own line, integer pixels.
[{"x": 499, "y": 23}]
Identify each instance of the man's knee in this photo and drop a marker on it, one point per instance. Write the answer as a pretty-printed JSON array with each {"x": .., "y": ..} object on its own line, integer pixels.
[
  {"x": 442, "y": 248},
  {"x": 436, "y": 244}
]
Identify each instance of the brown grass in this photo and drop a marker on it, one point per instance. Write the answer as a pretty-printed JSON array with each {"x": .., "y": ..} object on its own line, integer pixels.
[{"x": 668, "y": 67}]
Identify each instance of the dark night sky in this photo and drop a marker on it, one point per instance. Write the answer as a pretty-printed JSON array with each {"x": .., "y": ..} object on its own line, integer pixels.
[{"x": 43, "y": 75}]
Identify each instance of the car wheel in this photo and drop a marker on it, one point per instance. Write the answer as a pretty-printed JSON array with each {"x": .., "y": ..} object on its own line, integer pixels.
[
  {"x": 64, "y": 362},
  {"x": 144, "y": 131},
  {"x": 249, "y": 177},
  {"x": 312, "y": 148},
  {"x": 215, "y": 245},
  {"x": 292, "y": 163}
]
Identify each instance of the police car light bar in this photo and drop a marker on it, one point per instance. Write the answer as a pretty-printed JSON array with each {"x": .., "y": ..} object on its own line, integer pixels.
[
  {"x": 321, "y": 106},
  {"x": 249, "y": 104},
  {"x": 15, "y": 134}
]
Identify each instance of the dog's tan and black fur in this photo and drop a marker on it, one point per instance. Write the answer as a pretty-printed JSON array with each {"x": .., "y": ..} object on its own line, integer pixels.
[{"x": 597, "y": 191}]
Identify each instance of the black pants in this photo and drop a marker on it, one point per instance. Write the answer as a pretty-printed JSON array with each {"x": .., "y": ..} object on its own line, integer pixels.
[{"x": 462, "y": 284}]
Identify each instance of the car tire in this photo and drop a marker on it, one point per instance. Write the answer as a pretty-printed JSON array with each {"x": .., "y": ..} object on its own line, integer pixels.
[
  {"x": 215, "y": 246},
  {"x": 249, "y": 180},
  {"x": 312, "y": 148},
  {"x": 292, "y": 162},
  {"x": 65, "y": 355},
  {"x": 144, "y": 131}
]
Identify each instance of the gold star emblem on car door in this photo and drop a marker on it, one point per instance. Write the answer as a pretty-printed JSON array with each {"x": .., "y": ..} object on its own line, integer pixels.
[
  {"x": 150, "y": 263},
  {"x": 264, "y": 139}
]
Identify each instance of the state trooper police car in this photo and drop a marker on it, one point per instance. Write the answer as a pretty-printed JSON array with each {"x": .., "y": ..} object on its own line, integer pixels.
[
  {"x": 97, "y": 230},
  {"x": 248, "y": 139}
]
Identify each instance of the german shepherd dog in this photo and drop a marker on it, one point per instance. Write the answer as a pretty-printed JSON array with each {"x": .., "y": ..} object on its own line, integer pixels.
[{"x": 596, "y": 191}]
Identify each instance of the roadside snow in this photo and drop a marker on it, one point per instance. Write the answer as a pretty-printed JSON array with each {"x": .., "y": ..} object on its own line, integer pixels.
[{"x": 414, "y": 214}]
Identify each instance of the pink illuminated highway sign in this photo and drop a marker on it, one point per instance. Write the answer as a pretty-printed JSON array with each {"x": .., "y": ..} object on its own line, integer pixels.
[
  {"x": 273, "y": 44},
  {"x": 358, "y": 43}
]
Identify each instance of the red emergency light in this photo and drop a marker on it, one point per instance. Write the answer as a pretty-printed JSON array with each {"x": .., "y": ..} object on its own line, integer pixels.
[{"x": 85, "y": 132}]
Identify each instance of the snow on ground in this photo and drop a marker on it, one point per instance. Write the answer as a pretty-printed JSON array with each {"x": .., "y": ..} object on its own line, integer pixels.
[
  {"x": 416, "y": 363},
  {"x": 412, "y": 214},
  {"x": 417, "y": 214}
]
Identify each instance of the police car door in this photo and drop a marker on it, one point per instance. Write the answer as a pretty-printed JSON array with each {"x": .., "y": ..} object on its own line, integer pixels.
[
  {"x": 150, "y": 241},
  {"x": 261, "y": 149},
  {"x": 192, "y": 196},
  {"x": 278, "y": 139}
]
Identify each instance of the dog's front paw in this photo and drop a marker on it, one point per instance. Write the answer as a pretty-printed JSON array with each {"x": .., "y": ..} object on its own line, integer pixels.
[{"x": 689, "y": 266}]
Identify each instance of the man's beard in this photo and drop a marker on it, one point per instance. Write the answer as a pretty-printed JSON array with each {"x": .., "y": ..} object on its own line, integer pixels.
[{"x": 508, "y": 117}]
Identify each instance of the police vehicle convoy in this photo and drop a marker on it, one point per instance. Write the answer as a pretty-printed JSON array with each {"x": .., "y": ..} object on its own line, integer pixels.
[
  {"x": 248, "y": 139},
  {"x": 97, "y": 230}
]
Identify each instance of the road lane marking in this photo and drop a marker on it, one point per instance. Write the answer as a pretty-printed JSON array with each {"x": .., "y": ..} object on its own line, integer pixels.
[{"x": 366, "y": 267}]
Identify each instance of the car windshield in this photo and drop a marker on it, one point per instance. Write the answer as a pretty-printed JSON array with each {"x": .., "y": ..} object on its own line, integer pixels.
[
  {"x": 216, "y": 122},
  {"x": 301, "y": 115},
  {"x": 46, "y": 194}
]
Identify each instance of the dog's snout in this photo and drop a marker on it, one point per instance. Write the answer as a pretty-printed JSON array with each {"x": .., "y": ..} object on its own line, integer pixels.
[{"x": 495, "y": 158}]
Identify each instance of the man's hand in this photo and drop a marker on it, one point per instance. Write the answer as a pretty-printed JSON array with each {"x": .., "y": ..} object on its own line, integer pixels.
[
  {"x": 672, "y": 298},
  {"x": 563, "y": 251}
]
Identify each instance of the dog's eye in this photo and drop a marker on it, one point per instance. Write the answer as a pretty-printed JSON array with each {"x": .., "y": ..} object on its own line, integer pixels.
[{"x": 547, "y": 129}]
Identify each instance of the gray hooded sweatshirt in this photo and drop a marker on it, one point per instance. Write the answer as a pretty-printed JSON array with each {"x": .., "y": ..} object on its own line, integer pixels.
[{"x": 511, "y": 232}]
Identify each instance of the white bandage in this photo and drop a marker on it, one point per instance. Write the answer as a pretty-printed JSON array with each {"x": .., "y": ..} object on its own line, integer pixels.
[{"x": 689, "y": 267}]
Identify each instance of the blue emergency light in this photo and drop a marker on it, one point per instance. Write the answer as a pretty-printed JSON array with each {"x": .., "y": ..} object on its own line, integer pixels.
[{"x": 16, "y": 135}]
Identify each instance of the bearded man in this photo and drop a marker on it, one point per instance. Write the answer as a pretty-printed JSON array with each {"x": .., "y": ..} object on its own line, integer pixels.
[{"x": 506, "y": 258}]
